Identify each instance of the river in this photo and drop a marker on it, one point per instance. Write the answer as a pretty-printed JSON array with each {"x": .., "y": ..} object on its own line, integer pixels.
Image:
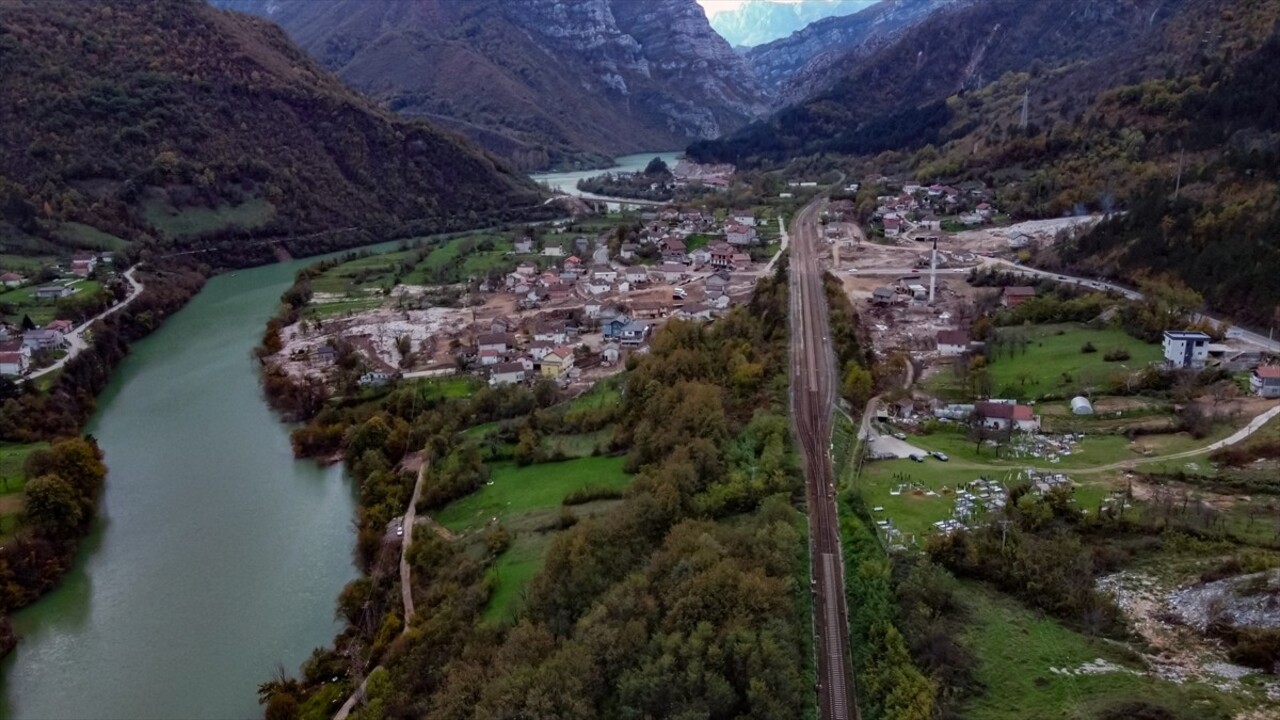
[
  {"x": 218, "y": 555},
  {"x": 567, "y": 182}
]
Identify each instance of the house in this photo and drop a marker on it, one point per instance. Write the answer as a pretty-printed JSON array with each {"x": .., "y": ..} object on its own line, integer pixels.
[
  {"x": 15, "y": 357},
  {"x": 985, "y": 210},
  {"x": 953, "y": 342},
  {"x": 717, "y": 285},
  {"x": 1265, "y": 381},
  {"x": 892, "y": 225},
  {"x": 62, "y": 326},
  {"x": 491, "y": 357},
  {"x": 557, "y": 362},
  {"x": 744, "y": 218},
  {"x": 740, "y": 260},
  {"x": 633, "y": 333},
  {"x": 883, "y": 296},
  {"x": 628, "y": 250},
  {"x": 636, "y": 275},
  {"x": 497, "y": 342},
  {"x": 83, "y": 263},
  {"x": 572, "y": 263},
  {"x": 553, "y": 251},
  {"x": 672, "y": 272},
  {"x": 597, "y": 287},
  {"x": 701, "y": 256},
  {"x": 1017, "y": 242},
  {"x": 501, "y": 324},
  {"x": 649, "y": 309},
  {"x": 613, "y": 328},
  {"x": 931, "y": 222},
  {"x": 526, "y": 269},
  {"x": 721, "y": 254},
  {"x": 375, "y": 378},
  {"x": 737, "y": 234},
  {"x": 611, "y": 353},
  {"x": 552, "y": 332},
  {"x": 604, "y": 273},
  {"x": 43, "y": 339},
  {"x": 506, "y": 374},
  {"x": 696, "y": 312},
  {"x": 53, "y": 292},
  {"x": 1185, "y": 348},
  {"x": 1015, "y": 295},
  {"x": 11, "y": 279},
  {"x": 325, "y": 355},
  {"x": 539, "y": 350},
  {"x": 523, "y": 246},
  {"x": 1004, "y": 415},
  {"x": 592, "y": 308},
  {"x": 673, "y": 250}
]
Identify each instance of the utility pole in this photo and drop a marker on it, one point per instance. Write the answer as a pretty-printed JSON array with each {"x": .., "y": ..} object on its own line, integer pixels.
[{"x": 933, "y": 270}]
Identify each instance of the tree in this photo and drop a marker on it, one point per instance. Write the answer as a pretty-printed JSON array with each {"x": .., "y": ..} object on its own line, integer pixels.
[
  {"x": 857, "y": 385},
  {"x": 54, "y": 505},
  {"x": 656, "y": 166}
]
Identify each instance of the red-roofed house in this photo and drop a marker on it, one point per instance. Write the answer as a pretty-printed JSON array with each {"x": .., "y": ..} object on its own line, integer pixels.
[
  {"x": 1000, "y": 415},
  {"x": 1015, "y": 295},
  {"x": 1265, "y": 381},
  {"x": 953, "y": 342}
]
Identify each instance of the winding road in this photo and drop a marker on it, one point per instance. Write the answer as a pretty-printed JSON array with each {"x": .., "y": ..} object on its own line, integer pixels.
[
  {"x": 75, "y": 338},
  {"x": 812, "y": 404}
]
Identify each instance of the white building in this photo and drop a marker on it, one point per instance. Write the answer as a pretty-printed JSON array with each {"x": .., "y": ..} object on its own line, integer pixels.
[{"x": 1185, "y": 348}]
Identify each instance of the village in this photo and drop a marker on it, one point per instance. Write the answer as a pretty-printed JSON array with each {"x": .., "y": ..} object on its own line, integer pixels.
[
  {"x": 993, "y": 395},
  {"x": 566, "y": 303},
  {"x": 39, "y": 314}
]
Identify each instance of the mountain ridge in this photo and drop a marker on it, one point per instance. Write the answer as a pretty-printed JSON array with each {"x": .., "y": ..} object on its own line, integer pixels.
[
  {"x": 755, "y": 23},
  {"x": 133, "y": 115},
  {"x": 546, "y": 83}
]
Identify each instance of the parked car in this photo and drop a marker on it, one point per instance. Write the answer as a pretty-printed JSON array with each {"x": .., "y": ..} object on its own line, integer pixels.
[
  {"x": 940, "y": 455},
  {"x": 900, "y": 435},
  {"x": 917, "y": 457}
]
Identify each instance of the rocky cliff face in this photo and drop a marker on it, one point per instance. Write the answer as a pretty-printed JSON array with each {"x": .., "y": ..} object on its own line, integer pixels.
[
  {"x": 543, "y": 82},
  {"x": 807, "y": 61}
]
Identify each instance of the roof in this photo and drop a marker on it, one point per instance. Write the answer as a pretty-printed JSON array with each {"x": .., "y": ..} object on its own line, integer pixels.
[
  {"x": 493, "y": 339},
  {"x": 953, "y": 337},
  {"x": 1004, "y": 411},
  {"x": 882, "y": 292},
  {"x": 1185, "y": 335},
  {"x": 509, "y": 367},
  {"x": 10, "y": 277},
  {"x": 1267, "y": 372},
  {"x": 1019, "y": 291},
  {"x": 559, "y": 353}
]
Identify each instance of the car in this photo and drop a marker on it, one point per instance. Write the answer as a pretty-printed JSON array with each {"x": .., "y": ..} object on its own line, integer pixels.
[
  {"x": 400, "y": 531},
  {"x": 900, "y": 435},
  {"x": 679, "y": 293},
  {"x": 917, "y": 457},
  {"x": 940, "y": 455}
]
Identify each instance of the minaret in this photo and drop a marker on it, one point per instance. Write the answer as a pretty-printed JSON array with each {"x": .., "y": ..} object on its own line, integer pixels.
[{"x": 933, "y": 270}]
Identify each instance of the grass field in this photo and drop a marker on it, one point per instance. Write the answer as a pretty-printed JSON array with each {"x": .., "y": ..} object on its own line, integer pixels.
[
  {"x": 521, "y": 489},
  {"x": 190, "y": 221},
  {"x": 84, "y": 236},
  {"x": 1016, "y": 649},
  {"x": 359, "y": 274},
  {"x": 512, "y": 571},
  {"x": 12, "y": 456},
  {"x": 1053, "y": 364}
]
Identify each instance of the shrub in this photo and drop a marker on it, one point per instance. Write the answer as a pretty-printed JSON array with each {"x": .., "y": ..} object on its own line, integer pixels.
[
  {"x": 1117, "y": 355},
  {"x": 592, "y": 493},
  {"x": 1088, "y": 347}
]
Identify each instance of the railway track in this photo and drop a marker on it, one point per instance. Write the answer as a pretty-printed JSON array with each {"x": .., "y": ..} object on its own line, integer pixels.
[{"x": 813, "y": 375}]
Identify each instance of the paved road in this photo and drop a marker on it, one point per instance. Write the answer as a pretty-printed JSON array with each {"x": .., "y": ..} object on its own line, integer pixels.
[
  {"x": 75, "y": 338},
  {"x": 812, "y": 398}
]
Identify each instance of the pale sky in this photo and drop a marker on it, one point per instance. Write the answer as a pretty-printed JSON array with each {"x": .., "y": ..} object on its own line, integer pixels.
[{"x": 716, "y": 6}]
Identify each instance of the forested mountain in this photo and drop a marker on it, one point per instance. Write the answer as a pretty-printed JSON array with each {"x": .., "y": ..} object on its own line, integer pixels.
[
  {"x": 896, "y": 96},
  {"x": 135, "y": 117},
  {"x": 760, "y": 21},
  {"x": 795, "y": 67},
  {"x": 541, "y": 82}
]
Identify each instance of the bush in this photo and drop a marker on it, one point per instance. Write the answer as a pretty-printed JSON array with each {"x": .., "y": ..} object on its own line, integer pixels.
[
  {"x": 592, "y": 493},
  {"x": 1117, "y": 355},
  {"x": 1088, "y": 347}
]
